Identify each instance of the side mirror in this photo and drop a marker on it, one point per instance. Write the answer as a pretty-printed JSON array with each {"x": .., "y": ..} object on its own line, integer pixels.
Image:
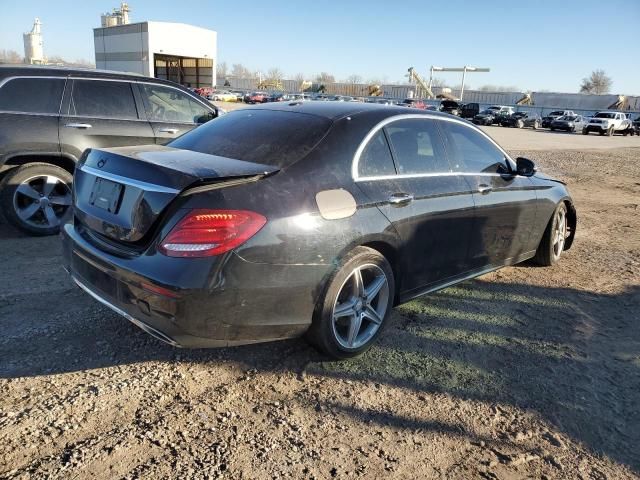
[
  {"x": 206, "y": 117},
  {"x": 525, "y": 167}
]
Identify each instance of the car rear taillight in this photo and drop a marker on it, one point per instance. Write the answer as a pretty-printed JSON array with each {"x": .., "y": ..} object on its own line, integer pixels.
[{"x": 203, "y": 233}]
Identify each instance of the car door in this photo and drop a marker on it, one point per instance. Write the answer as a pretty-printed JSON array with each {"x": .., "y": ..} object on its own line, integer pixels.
[
  {"x": 404, "y": 170},
  {"x": 173, "y": 112},
  {"x": 505, "y": 203},
  {"x": 101, "y": 113}
]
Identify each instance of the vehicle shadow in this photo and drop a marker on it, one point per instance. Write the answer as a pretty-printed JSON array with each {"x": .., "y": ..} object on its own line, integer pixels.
[{"x": 573, "y": 357}]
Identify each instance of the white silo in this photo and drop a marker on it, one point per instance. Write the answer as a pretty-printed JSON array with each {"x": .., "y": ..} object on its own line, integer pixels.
[{"x": 33, "y": 49}]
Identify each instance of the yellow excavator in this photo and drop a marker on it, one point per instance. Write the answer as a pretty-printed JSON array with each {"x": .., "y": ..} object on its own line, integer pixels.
[
  {"x": 620, "y": 104},
  {"x": 374, "y": 91},
  {"x": 526, "y": 100},
  {"x": 271, "y": 85}
]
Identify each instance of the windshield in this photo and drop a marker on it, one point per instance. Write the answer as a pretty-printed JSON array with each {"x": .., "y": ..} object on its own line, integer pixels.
[
  {"x": 262, "y": 136},
  {"x": 556, "y": 114},
  {"x": 568, "y": 118},
  {"x": 487, "y": 112},
  {"x": 605, "y": 115}
]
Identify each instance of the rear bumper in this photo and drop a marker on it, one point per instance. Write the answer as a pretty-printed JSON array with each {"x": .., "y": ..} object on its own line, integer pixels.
[{"x": 197, "y": 303}]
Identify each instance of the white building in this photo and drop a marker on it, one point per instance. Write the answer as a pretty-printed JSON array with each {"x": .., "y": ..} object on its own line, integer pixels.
[{"x": 174, "y": 51}]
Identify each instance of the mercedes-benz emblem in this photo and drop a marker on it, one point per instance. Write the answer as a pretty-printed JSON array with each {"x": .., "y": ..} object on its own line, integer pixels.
[{"x": 101, "y": 162}]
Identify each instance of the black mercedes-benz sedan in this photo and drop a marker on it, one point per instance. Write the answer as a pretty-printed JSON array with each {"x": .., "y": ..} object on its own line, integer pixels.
[{"x": 307, "y": 217}]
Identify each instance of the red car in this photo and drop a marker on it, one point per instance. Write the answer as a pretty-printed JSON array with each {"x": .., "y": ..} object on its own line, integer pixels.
[
  {"x": 414, "y": 103},
  {"x": 257, "y": 97}
]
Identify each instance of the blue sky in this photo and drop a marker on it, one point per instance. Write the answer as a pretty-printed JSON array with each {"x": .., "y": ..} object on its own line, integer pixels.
[{"x": 533, "y": 45}]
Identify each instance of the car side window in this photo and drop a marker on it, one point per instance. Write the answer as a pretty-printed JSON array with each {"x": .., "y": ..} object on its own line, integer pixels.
[
  {"x": 472, "y": 152},
  {"x": 32, "y": 95},
  {"x": 417, "y": 147},
  {"x": 167, "y": 104},
  {"x": 103, "y": 99},
  {"x": 376, "y": 158}
]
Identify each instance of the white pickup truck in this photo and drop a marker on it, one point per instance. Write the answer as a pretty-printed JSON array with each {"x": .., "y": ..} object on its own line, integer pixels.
[{"x": 609, "y": 122}]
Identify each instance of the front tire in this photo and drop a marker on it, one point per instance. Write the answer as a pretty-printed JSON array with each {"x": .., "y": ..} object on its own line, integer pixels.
[
  {"x": 35, "y": 197},
  {"x": 554, "y": 238},
  {"x": 355, "y": 305},
  {"x": 610, "y": 132}
]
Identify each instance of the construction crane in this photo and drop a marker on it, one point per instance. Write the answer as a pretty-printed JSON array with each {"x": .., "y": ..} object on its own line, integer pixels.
[
  {"x": 374, "y": 91},
  {"x": 413, "y": 76}
]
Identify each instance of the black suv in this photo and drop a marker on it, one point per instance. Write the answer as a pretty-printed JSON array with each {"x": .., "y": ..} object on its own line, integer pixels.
[{"x": 49, "y": 116}]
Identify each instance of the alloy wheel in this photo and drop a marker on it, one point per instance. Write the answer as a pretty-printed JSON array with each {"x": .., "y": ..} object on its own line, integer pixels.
[
  {"x": 360, "y": 306},
  {"x": 42, "y": 200},
  {"x": 559, "y": 233}
]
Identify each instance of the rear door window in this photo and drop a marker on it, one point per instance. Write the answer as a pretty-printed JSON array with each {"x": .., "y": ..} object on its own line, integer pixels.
[
  {"x": 417, "y": 147},
  {"x": 376, "y": 159},
  {"x": 103, "y": 99},
  {"x": 32, "y": 95},
  {"x": 262, "y": 136},
  {"x": 165, "y": 104},
  {"x": 472, "y": 152}
]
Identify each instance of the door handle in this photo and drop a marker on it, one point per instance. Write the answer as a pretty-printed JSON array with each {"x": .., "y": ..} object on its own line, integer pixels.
[
  {"x": 78, "y": 125},
  {"x": 400, "y": 199},
  {"x": 484, "y": 189},
  {"x": 172, "y": 131}
]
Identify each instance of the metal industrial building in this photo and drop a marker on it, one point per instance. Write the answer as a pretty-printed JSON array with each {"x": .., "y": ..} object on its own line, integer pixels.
[{"x": 174, "y": 51}]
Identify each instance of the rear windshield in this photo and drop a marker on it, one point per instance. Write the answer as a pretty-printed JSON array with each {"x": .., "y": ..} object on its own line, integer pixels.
[{"x": 261, "y": 136}]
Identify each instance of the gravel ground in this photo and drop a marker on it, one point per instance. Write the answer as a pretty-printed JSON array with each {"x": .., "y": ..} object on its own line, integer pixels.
[{"x": 525, "y": 373}]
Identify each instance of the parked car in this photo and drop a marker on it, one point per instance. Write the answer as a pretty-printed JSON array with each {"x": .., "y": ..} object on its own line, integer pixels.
[
  {"x": 501, "y": 112},
  {"x": 609, "y": 122},
  {"x": 384, "y": 101},
  {"x": 568, "y": 123},
  {"x": 636, "y": 125},
  {"x": 522, "y": 119},
  {"x": 469, "y": 110},
  {"x": 413, "y": 103},
  {"x": 223, "y": 96},
  {"x": 205, "y": 243},
  {"x": 450, "y": 106},
  {"x": 257, "y": 97},
  {"x": 547, "y": 119},
  {"x": 239, "y": 95},
  {"x": 486, "y": 117},
  {"x": 50, "y": 115}
]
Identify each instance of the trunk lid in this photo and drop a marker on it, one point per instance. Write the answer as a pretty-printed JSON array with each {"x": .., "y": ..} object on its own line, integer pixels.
[{"x": 121, "y": 192}]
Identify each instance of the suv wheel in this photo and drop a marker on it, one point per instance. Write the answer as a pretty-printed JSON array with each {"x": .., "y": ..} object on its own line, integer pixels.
[
  {"x": 610, "y": 132},
  {"x": 35, "y": 197}
]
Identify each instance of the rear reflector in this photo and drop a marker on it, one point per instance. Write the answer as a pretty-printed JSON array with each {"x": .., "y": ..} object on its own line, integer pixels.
[{"x": 203, "y": 233}]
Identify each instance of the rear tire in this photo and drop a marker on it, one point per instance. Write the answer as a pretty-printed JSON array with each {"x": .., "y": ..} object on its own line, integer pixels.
[
  {"x": 351, "y": 313},
  {"x": 585, "y": 131},
  {"x": 610, "y": 132},
  {"x": 555, "y": 235},
  {"x": 35, "y": 197}
]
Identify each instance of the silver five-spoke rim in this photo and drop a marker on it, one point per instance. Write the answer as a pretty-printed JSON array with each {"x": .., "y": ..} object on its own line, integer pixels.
[
  {"x": 560, "y": 233},
  {"x": 41, "y": 201},
  {"x": 360, "y": 306}
]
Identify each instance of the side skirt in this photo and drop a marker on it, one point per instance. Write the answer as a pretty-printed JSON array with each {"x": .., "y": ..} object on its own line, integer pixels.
[{"x": 406, "y": 297}]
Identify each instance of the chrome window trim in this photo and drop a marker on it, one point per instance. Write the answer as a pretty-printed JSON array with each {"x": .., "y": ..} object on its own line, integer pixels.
[
  {"x": 6, "y": 80},
  {"x": 150, "y": 187},
  {"x": 356, "y": 158}
]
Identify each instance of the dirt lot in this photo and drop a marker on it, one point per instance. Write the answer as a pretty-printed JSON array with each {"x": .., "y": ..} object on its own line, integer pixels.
[{"x": 524, "y": 373}]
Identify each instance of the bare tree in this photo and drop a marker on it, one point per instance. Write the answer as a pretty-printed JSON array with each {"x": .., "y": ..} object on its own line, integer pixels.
[
  {"x": 274, "y": 74},
  {"x": 498, "y": 88},
  {"x": 598, "y": 83},
  {"x": 299, "y": 77},
  {"x": 221, "y": 70},
  {"x": 438, "y": 82},
  {"x": 10, "y": 56},
  {"x": 325, "y": 77},
  {"x": 240, "y": 71},
  {"x": 353, "y": 79}
]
